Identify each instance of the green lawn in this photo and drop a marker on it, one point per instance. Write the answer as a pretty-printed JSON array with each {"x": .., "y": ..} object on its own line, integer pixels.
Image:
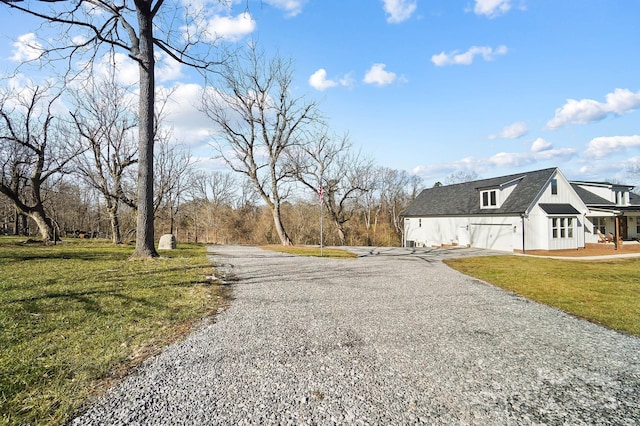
[
  {"x": 605, "y": 292},
  {"x": 75, "y": 316}
]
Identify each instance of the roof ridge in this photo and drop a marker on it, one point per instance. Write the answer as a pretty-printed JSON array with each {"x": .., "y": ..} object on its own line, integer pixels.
[{"x": 511, "y": 176}]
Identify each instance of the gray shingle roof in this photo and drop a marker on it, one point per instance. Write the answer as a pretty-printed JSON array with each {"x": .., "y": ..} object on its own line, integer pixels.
[
  {"x": 464, "y": 198},
  {"x": 559, "y": 209},
  {"x": 589, "y": 198}
]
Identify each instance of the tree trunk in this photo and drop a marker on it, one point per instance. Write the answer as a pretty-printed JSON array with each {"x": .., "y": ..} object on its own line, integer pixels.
[
  {"x": 16, "y": 222},
  {"x": 145, "y": 247},
  {"x": 277, "y": 220},
  {"x": 342, "y": 235},
  {"x": 116, "y": 235},
  {"x": 45, "y": 227}
]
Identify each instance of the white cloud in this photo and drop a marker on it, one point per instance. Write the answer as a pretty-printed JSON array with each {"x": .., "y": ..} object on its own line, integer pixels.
[
  {"x": 220, "y": 27},
  {"x": 127, "y": 69},
  {"x": 291, "y": 7},
  {"x": 541, "y": 151},
  {"x": 347, "y": 80},
  {"x": 209, "y": 162},
  {"x": 399, "y": 10},
  {"x": 23, "y": 88},
  {"x": 181, "y": 112},
  {"x": 200, "y": 10},
  {"x": 492, "y": 8},
  {"x": 26, "y": 48},
  {"x": 511, "y": 159},
  {"x": 518, "y": 159},
  {"x": 540, "y": 145},
  {"x": 586, "y": 111},
  {"x": 466, "y": 58},
  {"x": 513, "y": 131},
  {"x": 605, "y": 145},
  {"x": 17, "y": 82},
  {"x": 377, "y": 75},
  {"x": 319, "y": 81},
  {"x": 79, "y": 40},
  {"x": 442, "y": 169},
  {"x": 555, "y": 154},
  {"x": 168, "y": 69}
]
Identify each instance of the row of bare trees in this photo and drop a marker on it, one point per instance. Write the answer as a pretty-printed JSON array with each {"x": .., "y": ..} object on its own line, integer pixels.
[
  {"x": 51, "y": 156},
  {"x": 96, "y": 130},
  {"x": 219, "y": 207},
  {"x": 83, "y": 30},
  {"x": 278, "y": 144},
  {"x": 93, "y": 139}
]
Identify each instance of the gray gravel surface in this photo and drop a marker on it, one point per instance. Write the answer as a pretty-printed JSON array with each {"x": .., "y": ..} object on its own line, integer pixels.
[{"x": 394, "y": 337}]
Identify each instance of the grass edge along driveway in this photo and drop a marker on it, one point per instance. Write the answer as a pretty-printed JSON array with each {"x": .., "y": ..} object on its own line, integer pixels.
[
  {"x": 75, "y": 316},
  {"x": 606, "y": 292}
]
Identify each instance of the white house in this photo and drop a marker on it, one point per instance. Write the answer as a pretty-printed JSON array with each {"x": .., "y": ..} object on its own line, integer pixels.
[{"x": 538, "y": 210}]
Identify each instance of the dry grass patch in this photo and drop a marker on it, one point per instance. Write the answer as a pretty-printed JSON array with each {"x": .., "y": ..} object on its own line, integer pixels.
[
  {"x": 312, "y": 251},
  {"x": 605, "y": 292}
]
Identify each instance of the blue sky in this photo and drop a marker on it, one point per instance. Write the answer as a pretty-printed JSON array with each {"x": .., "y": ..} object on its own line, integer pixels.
[{"x": 439, "y": 86}]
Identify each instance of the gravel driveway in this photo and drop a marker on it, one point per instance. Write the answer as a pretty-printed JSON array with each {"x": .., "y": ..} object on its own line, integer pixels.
[{"x": 394, "y": 337}]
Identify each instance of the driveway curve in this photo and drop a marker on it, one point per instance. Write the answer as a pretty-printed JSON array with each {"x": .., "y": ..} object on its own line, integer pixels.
[{"x": 393, "y": 337}]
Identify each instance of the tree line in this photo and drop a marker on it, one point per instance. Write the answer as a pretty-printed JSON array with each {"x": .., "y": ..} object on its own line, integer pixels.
[
  {"x": 85, "y": 134},
  {"x": 218, "y": 207},
  {"x": 69, "y": 155}
]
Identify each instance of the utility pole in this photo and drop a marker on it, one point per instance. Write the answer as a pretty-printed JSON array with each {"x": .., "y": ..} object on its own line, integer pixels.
[{"x": 320, "y": 196}]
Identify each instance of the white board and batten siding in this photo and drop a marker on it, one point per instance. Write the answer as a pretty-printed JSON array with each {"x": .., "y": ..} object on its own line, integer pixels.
[
  {"x": 492, "y": 232},
  {"x": 538, "y": 225},
  {"x": 505, "y": 232}
]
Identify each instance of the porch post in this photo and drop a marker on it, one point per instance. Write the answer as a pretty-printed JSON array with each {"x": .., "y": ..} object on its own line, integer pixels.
[{"x": 616, "y": 231}]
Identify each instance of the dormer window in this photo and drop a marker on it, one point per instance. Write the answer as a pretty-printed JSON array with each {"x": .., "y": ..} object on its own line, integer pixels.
[
  {"x": 489, "y": 199},
  {"x": 622, "y": 198}
]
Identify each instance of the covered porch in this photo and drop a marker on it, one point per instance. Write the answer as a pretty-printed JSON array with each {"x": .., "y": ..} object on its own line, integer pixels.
[{"x": 616, "y": 225}]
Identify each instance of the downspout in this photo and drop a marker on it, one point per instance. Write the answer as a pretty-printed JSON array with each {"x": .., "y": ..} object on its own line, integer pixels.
[
  {"x": 523, "y": 248},
  {"x": 584, "y": 230}
]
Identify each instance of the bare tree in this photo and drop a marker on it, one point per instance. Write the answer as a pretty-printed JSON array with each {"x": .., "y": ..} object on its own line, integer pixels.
[
  {"x": 7, "y": 216},
  {"x": 257, "y": 120},
  {"x": 328, "y": 165},
  {"x": 247, "y": 196},
  {"x": 75, "y": 208},
  {"x": 216, "y": 191},
  {"x": 633, "y": 172},
  {"x": 33, "y": 151},
  {"x": 106, "y": 120},
  {"x": 369, "y": 202},
  {"x": 214, "y": 187},
  {"x": 174, "y": 166},
  {"x": 128, "y": 25},
  {"x": 461, "y": 176},
  {"x": 397, "y": 189}
]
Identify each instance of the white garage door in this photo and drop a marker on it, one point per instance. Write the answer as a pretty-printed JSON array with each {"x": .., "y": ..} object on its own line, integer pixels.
[{"x": 490, "y": 236}]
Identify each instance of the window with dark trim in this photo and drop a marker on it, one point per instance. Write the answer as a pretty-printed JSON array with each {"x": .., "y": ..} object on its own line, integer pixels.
[
  {"x": 489, "y": 198},
  {"x": 554, "y": 186},
  {"x": 562, "y": 227}
]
